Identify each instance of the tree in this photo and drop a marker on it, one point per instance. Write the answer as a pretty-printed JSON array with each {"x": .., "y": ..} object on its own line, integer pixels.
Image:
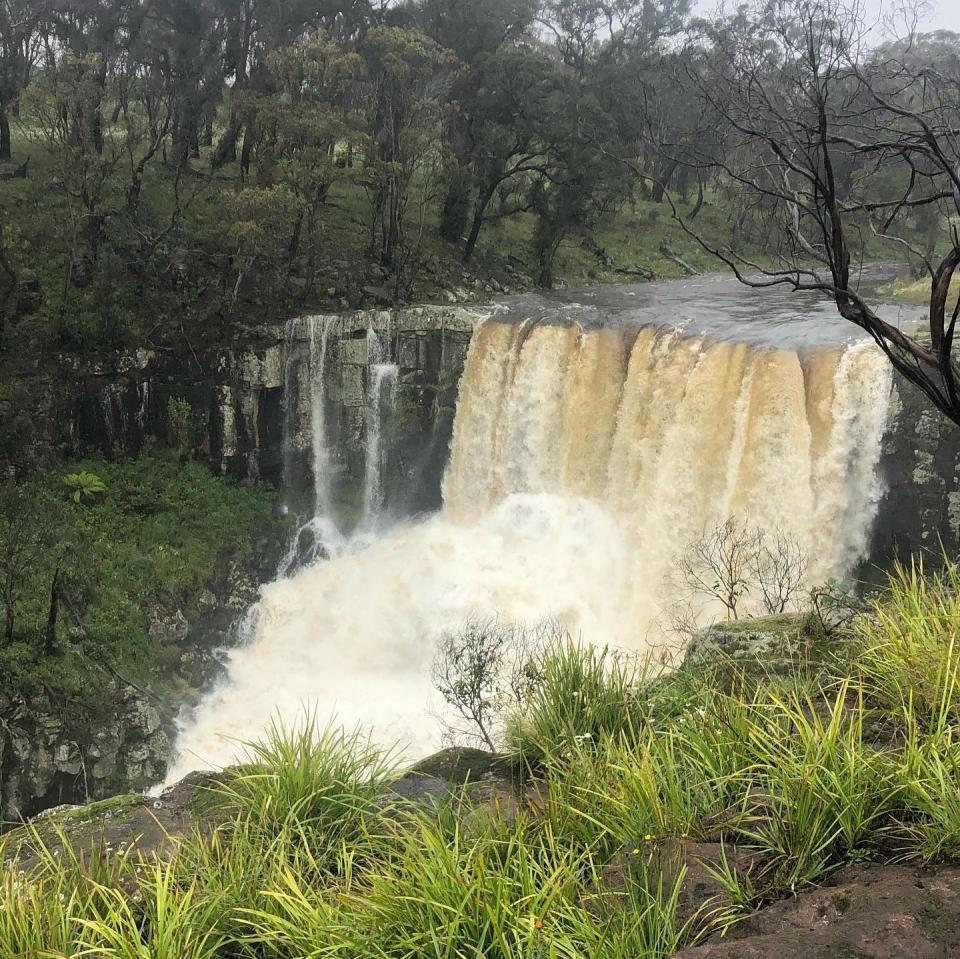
[
  {"x": 730, "y": 563},
  {"x": 19, "y": 46},
  {"x": 486, "y": 667},
  {"x": 67, "y": 103},
  {"x": 407, "y": 80},
  {"x": 828, "y": 144},
  {"x": 502, "y": 104},
  {"x": 487, "y": 37},
  {"x": 303, "y": 129}
]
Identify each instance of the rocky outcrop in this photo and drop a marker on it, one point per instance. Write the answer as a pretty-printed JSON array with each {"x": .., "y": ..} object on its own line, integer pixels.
[
  {"x": 52, "y": 752},
  {"x": 770, "y": 640},
  {"x": 920, "y": 471},
  {"x": 475, "y": 783},
  {"x": 333, "y": 365},
  {"x": 864, "y": 912}
]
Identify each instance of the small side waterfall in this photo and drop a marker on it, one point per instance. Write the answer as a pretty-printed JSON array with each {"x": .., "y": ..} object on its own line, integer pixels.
[
  {"x": 319, "y": 338},
  {"x": 583, "y": 462},
  {"x": 381, "y": 402}
]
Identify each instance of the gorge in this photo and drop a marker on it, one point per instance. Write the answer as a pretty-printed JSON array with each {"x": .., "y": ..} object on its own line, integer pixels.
[{"x": 547, "y": 455}]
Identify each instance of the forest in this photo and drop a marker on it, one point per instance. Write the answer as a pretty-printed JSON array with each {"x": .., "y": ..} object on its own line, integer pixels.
[{"x": 170, "y": 166}]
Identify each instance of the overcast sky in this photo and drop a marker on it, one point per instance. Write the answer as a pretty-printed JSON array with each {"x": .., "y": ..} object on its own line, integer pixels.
[{"x": 941, "y": 14}]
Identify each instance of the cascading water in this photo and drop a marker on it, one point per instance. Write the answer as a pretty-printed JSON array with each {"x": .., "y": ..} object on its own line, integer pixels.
[
  {"x": 381, "y": 399},
  {"x": 319, "y": 338},
  {"x": 583, "y": 462}
]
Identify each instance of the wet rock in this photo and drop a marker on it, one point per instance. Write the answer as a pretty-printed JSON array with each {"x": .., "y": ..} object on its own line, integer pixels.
[
  {"x": 419, "y": 789},
  {"x": 865, "y": 912},
  {"x": 154, "y": 826},
  {"x": 167, "y": 627},
  {"x": 51, "y": 754},
  {"x": 461, "y": 765},
  {"x": 480, "y": 785}
]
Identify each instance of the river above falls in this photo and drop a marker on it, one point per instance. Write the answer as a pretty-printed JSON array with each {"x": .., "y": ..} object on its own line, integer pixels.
[{"x": 716, "y": 305}]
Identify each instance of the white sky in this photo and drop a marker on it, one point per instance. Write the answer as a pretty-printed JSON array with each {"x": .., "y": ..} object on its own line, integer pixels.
[{"x": 940, "y": 14}]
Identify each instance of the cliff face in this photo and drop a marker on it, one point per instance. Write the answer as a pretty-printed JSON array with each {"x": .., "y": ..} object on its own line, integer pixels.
[
  {"x": 247, "y": 397},
  {"x": 238, "y": 415},
  {"x": 920, "y": 468}
]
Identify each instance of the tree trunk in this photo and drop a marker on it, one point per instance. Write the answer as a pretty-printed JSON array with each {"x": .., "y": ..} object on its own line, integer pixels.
[
  {"x": 226, "y": 149},
  {"x": 698, "y": 206},
  {"x": 5, "y": 151},
  {"x": 8, "y": 594},
  {"x": 246, "y": 152},
  {"x": 660, "y": 184},
  {"x": 483, "y": 201}
]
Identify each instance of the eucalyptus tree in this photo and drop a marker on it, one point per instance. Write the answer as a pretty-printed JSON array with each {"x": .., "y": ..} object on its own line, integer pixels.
[
  {"x": 406, "y": 85},
  {"x": 19, "y": 48},
  {"x": 487, "y": 37}
]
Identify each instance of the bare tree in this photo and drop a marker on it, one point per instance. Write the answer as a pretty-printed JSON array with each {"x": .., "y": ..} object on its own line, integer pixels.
[
  {"x": 831, "y": 140},
  {"x": 719, "y": 565},
  {"x": 780, "y": 571},
  {"x": 729, "y": 563},
  {"x": 488, "y": 667}
]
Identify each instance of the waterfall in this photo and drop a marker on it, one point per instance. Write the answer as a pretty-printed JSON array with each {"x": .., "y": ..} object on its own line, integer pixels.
[
  {"x": 381, "y": 399},
  {"x": 583, "y": 462},
  {"x": 673, "y": 436},
  {"x": 320, "y": 461}
]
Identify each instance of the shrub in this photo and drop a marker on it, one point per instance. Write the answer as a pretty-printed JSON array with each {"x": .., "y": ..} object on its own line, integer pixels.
[
  {"x": 84, "y": 487},
  {"x": 910, "y": 645},
  {"x": 584, "y": 691},
  {"x": 314, "y": 783},
  {"x": 486, "y": 668}
]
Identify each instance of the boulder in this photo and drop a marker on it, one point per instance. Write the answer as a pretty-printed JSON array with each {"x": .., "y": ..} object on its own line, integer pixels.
[
  {"x": 769, "y": 644},
  {"x": 154, "y": 826},
  {"x": 865, "y": 912}
]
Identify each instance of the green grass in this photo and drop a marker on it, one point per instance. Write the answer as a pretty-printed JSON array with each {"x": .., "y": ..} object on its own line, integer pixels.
[
  {"x": 307, "y": 863},
  {"x": 917, "y": 292}
]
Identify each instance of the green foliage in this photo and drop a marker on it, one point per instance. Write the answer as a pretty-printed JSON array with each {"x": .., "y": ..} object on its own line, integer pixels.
[
  {"x": 911, "y": 646},
  {"x": 180, "y": 426},
  {"x": 131, "y": 534},
  {"x": 315, "y": 783},
  {"x": 84, "y": 487},
  {"x": 583, "y": 692}
]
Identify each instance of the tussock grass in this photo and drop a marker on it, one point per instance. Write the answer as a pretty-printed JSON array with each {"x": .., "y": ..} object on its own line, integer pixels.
[{"x": 807, "y": 773}]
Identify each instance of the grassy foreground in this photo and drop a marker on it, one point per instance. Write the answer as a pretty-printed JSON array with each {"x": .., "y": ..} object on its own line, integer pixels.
[{"x": 852, "y": 759}]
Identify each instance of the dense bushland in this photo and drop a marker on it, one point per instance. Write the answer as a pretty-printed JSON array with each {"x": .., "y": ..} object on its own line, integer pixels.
[{"x": 88, "y": 551}]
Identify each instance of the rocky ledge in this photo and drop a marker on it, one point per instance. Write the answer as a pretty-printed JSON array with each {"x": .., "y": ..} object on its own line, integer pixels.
[{"x": 115, "y": 736}]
